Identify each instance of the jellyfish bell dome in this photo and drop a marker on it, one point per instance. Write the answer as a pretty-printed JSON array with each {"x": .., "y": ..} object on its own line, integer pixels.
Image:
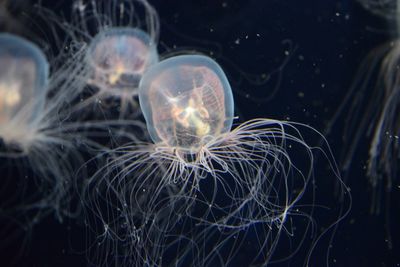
[
  {"x": 185, "y": 101},
  {"x": 24, "y": 73},
  {"x": 119, "y": 56}
]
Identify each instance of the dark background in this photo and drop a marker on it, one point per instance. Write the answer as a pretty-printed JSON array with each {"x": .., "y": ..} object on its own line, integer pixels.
[{"x": 325, "y": 42}]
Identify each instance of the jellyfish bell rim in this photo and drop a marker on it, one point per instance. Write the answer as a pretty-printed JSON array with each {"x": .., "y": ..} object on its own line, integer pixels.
[
  {"x": 23, "y": 47},
  {"x": 129, "y": 31},
  {"x": 190, "y": 60}
]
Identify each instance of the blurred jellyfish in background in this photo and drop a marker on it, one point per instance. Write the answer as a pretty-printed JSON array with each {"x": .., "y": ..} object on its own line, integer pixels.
[
  {"x": 24, "y": 78},
  {"x": 119, "y": 42},
  {"x": 31, "y": 136},
  {"x": 27, "y": 120},
  {"x": 203, "y": 194},
  {"x": 373, "y": 105},
  {"x": 41, "y": 147}
]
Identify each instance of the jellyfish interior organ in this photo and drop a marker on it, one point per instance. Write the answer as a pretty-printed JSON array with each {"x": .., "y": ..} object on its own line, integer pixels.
[
  {"x": 185, "y": 99},
  {"x": 119, "y": 57},
  {"x": 23, "y": 85}
]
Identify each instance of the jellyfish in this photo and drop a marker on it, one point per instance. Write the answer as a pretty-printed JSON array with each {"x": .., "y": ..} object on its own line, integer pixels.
[
  {"x": 199, "y": 193},
  {"x": 373, "y": 105},
  {"x": 119, "y": 57},
  {"x": 39, "y": 143},
  {"x": 28, "y": 125},
  {"x": 24, "y": 76},
  {"x": 119, "y": 42}
]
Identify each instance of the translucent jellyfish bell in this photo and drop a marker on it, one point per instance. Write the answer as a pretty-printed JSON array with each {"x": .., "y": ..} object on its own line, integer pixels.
[
  {"x": 24, "y": 75},
  {"x": 119, "y": 57},
  {"x": 184, "y": 100}
]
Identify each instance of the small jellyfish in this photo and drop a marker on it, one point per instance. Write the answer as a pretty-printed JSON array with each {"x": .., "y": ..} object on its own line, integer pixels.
[
  {"x": 118, "y": 58},
  {"x": 119, "y": 42},
  {"x": 198, "y": 194}
]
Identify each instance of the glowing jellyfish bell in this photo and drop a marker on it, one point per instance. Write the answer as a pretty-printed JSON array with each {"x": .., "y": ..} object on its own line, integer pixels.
[
  {"x": 116, "y": 42},
  {"x": 23, "y": 84},
  {"x": 119, "y": 57},
  {"x": 186, "y": 100}
]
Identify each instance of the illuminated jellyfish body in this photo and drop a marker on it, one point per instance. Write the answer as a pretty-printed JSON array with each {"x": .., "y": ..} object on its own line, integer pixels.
[
  {"x": 184, "y": 105},
  {"x": 201, "y": 191},
  {"x": 119, "y": 40},
  {"x": 118, "y": 58}
]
